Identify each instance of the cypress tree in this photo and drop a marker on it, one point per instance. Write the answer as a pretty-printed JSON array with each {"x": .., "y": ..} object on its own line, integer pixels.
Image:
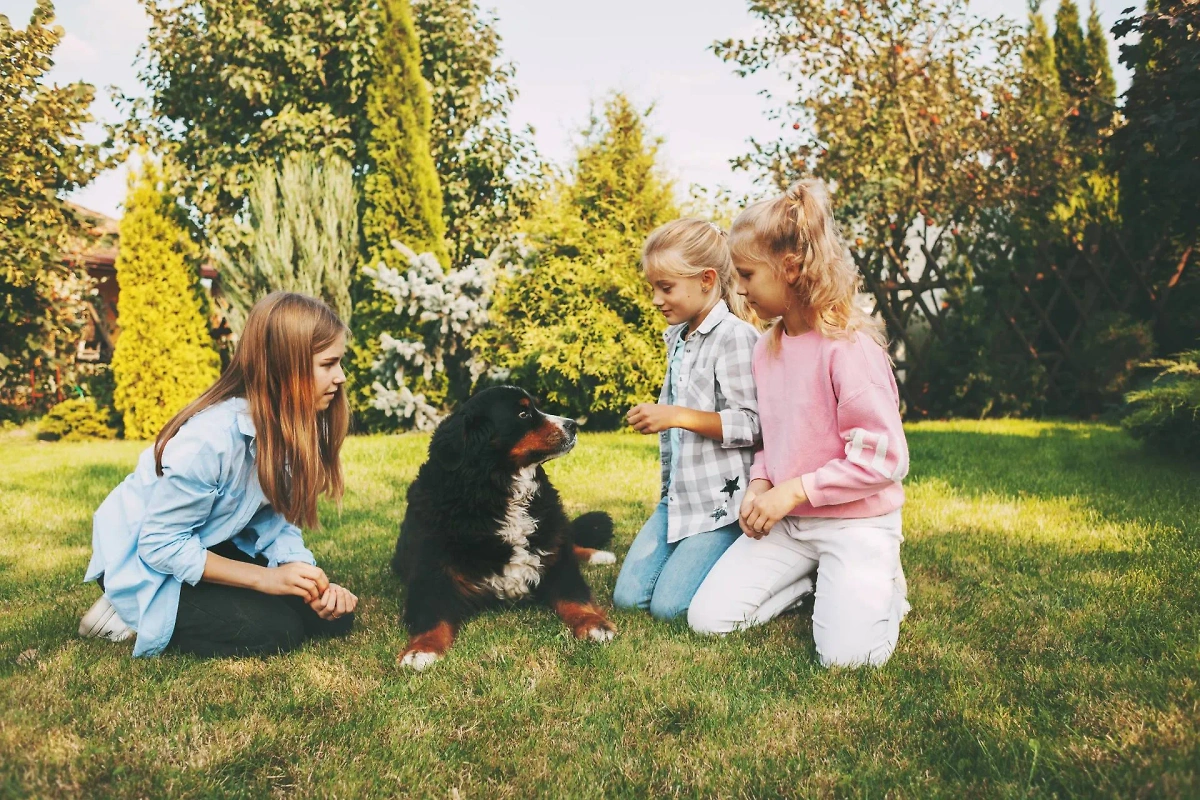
[
  {"x": 164, "y": 357},
  {"x": 1102, "y": 98},
  {"x": 402, "y": 199},
  {"x": 1070, "y": 52}
]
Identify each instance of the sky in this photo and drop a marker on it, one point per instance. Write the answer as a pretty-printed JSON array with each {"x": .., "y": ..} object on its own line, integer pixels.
[{"x": 569, "y": 55}]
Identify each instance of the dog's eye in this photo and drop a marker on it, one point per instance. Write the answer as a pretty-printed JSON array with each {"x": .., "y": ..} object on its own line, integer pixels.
[{"x": 524, "y": 415}]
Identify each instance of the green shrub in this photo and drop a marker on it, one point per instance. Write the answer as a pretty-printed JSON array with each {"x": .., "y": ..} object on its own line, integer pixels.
[
  {"x": 1166, "y": 414},
  {"x": 1113, "y": 344},
  {"x": 164, "y": 357},
  {"x": 577, "y": 327},
  {"x": 976, "y": 368},
  {"x": 75, "y": 420}
]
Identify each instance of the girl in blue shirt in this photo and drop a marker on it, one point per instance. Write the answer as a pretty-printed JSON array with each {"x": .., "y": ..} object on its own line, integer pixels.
[{"x": 199, "y": 550}]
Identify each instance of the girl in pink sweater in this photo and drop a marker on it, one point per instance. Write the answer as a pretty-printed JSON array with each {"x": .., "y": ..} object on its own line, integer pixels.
[{"x": 823, "y": 505}]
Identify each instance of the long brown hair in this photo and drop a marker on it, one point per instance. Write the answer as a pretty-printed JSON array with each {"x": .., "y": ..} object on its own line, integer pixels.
[
  {"x": 798, "y": 227},
  {"x": 684, "y": 248},
  {"x": 298, "y": 448}
]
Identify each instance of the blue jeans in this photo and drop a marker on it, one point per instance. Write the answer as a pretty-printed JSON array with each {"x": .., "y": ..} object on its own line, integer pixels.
[{"x": 663, "y": 577}]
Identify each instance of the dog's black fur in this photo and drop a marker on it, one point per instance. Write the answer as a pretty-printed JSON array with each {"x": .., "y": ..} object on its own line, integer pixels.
[{"x": 451, "y": 553}]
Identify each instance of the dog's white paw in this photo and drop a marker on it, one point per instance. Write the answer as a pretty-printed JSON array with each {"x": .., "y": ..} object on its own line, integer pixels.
[
  {"x": 600, "y": 634},
  {"x": 418, "y": 659},
  {"x": 603, "y": 557}
]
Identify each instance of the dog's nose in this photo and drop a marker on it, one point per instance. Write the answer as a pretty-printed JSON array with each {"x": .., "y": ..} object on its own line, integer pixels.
[{"x": 570, "y": 426}]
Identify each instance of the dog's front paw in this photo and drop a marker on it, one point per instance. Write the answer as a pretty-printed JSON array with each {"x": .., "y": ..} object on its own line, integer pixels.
[
  {"x": 603, "y": 557},
  {"x": 417, "y": 659},
  {"x": 598, "y": 634},
  {"x": 595, "y": 629}
]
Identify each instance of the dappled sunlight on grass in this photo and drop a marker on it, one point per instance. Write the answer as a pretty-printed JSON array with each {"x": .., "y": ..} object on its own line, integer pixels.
[{"x": 1051, "y": 650}]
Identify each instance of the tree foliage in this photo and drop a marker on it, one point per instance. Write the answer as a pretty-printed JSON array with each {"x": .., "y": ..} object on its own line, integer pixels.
[
  {"x": 490, "y": 174},
  {"x": 43, "y": 156},
  {"x": 576, "y": 326},
  {"x": 164, "y": 357},
  {"x": 402, "y": 199},
  {"x": 300, "y": 234},
  {"x": 1157, "y": 153},
  {"x": 232, "y": 84}
]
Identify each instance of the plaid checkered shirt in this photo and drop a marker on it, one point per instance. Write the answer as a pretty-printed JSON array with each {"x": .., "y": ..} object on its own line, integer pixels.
[{"x": 710, "y": 479}]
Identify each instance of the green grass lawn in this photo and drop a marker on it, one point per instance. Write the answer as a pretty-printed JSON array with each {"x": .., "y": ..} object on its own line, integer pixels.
[{"x": 1053, "y": 650}]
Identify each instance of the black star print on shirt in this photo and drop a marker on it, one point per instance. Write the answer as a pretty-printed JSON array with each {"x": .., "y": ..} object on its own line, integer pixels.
[{"x": 731, "y": 486}]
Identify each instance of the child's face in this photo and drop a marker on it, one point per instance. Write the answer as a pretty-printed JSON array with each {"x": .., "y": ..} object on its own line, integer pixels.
[
  {"x": 763, "y": 288},
  {"x": 327, "y": 373},
  {"x": 681, "y": 299}
]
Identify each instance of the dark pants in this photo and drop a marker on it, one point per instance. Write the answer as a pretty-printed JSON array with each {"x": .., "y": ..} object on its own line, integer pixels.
[{"x": 215, "y": 620}]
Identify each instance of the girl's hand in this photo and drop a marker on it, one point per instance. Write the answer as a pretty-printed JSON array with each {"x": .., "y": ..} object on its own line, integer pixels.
[
  {"x": 765, "y": 510},
  {"x": 295, "y": 578},
  {"x": 652, "y": 417},
  {"x": 757, "y": 486},
  {"x": 335, "y": 602}
]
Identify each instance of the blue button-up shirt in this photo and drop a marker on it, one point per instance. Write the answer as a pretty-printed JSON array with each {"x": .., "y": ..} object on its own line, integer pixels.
[{"x": 151, "y": 533}]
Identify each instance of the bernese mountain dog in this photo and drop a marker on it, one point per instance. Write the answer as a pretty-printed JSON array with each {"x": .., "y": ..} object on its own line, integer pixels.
[{"x": 484, "y": 527}]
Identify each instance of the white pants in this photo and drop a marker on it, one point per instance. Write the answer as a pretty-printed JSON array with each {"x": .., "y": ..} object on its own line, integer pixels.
[{"x": 861, "y": 595}]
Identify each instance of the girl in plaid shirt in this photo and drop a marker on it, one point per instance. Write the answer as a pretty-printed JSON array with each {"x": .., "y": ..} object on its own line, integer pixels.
[
  {"x": 706, "y": 418},
  {"x": 825, "y": 496}
]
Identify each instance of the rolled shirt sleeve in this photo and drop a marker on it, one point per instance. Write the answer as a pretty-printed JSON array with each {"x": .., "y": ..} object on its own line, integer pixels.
[
  {"x": 280, "y": 541},
  {"x": 735, "y": 380},
  {"x": 178, "y": 506}
]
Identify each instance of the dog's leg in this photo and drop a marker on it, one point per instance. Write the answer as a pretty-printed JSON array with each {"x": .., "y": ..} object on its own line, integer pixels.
[
  {"x": 428, "y": 646},
  {"x": 564, "y": 589},
  {"x": 434, "y": 609},
  {"x": 585, "y": 620},
  {"x": 590, "y": 555}
]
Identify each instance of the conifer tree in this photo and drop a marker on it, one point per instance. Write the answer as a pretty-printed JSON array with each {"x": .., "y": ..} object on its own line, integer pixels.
[
  {"x": 1070, "y": 52},
  {"x": 402, "y": 199},
  {"x": 164, "y": 357},
  {"x": 577, "y": 327},
  {"x": 1102, "y": 97}
]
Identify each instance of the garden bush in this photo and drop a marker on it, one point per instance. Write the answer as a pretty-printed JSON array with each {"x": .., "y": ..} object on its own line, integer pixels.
[
  {"x": 1166, "y": 414},
  {"x": 76, "y": 420}
]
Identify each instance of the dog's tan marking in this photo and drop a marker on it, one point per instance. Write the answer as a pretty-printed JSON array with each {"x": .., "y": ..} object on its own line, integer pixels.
[
  {"x": 585, "y": 620},
  {"x": 425, "y": 648}
]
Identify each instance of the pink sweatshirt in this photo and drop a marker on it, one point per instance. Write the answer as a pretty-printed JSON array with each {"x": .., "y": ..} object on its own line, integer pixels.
[{"x": 830, "y": 415}]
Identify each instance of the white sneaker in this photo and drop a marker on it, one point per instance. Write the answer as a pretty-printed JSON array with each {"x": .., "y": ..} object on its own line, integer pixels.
[{"x": 102, "y": 621}]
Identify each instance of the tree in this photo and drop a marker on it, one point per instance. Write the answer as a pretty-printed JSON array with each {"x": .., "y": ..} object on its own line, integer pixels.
[
  {"x": 233, "y": 84},
  {"x": 43, "y": 156},
  {"x": 300, "y": 235},
  {"x": 576, "y": 326},
  {"x": 402, "y": 200},
  {"x": 1070, "y": 52},
  {"x": 164, "y": 357},
  {"x": 1157, "y": 153},
  {"x": 1102, "y": 101},
  {"x": 490, "y": 175}
]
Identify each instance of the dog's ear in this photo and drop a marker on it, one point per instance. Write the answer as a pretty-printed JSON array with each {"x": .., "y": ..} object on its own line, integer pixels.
[{"x": 459, "y": 438}]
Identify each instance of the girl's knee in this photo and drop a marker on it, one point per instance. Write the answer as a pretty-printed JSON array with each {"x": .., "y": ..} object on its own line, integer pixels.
[
  {"x": 843, "y": 651},
  {"x": 705, "y": 615},
  {"x": 629, "y": 594},
  {"x": 666, "y": 609}
]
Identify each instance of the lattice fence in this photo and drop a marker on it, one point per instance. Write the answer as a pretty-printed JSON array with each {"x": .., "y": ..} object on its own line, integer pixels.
[{"x": 1045, "y": 302}]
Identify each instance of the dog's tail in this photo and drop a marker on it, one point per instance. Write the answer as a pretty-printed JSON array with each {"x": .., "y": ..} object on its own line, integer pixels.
[
  {"x": 593, "y": 529},
  {"x": 590, "y": 533}
]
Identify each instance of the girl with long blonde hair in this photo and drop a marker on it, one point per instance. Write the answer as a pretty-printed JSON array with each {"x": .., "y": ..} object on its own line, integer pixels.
[
  {"x": 823, "y": 506},
  {"x": 200, "y": 549},
  {"x": 706, "y": 418}
]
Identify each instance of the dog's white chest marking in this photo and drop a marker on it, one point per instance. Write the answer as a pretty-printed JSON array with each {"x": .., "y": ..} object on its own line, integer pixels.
[{"x": 523, "y": 571}]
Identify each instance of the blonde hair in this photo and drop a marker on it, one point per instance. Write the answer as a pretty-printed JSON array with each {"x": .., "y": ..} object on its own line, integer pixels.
[
  {"x": 685, "y": 248},
  {"x": 298, "y": 447},
  {"x": 798, "y": 228}
]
